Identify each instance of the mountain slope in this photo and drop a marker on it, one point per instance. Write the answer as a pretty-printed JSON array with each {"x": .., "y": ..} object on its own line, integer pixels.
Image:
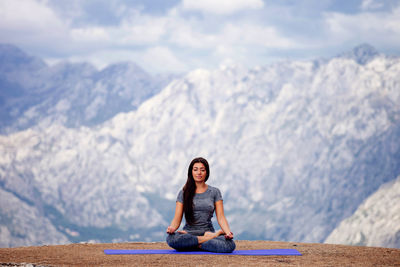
[
  {"x": 22, "y": 223},
  {"x": 376, "y": 222},
  {"x": 72, "y": 94},
  {"x": 295, "y": 147}
]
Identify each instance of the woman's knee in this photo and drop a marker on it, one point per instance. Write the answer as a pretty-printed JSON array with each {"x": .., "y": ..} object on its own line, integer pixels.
[
  {"x": 171, "y": 240},
  {"x": 228, "y": 246},
  {"x": 219, "y": 245},
  {"x": 181, "y": 241},
  {"x": 231, "y": 245}
]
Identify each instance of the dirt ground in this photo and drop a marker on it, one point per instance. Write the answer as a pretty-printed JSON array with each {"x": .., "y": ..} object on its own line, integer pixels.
[{"x": 93, "y": 255}]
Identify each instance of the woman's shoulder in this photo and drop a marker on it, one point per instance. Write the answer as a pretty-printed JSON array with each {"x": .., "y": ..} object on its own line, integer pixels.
[
  {"x": 215, "y": 193},
  {"x": 213, "y": 188},
  {"x": 180, "y": 196}
]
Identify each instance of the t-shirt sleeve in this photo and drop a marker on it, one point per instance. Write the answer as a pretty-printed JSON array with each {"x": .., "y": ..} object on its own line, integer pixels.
[
  {"x": 180, "y": 196},
  {"x": 217, "y": 195}
]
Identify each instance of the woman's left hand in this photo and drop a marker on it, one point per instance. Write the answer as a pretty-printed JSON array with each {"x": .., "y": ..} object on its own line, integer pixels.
[{"x": 229, "y": 235}]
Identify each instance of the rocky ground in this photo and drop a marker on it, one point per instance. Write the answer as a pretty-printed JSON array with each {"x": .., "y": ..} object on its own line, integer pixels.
[{"x": 93, "y": 255}]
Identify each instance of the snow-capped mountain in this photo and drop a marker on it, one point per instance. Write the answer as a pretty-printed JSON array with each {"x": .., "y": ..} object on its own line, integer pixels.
[
  {"x": 71, "y": 94},
  {"x": 376, "y": 222},
  {"x": 295, "y": 148}
]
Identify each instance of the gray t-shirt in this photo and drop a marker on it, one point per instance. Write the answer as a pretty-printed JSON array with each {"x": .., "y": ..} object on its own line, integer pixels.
[{"x": 203, "y": 210}]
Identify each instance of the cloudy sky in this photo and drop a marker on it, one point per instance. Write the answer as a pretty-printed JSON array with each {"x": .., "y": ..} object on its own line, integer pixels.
[{"x": 181, "y": 35}]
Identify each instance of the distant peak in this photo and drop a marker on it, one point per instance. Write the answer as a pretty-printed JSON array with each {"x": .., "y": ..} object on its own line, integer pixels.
[
  {"x": 82, "y": 68},
  {"x": 9, "y": 48},
  {"x": 365, "y": 49},
  {"x": 362, "y": 54},
  {"x": 128, "y": 70},
  {"x": 124, "y": 66},
  {"x": 12, "y": 57}
]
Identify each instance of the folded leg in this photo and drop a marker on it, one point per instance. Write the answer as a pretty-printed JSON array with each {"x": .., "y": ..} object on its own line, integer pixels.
[
  {"x": 180, "y": 241},
  {"x": 219, "y": 245}
]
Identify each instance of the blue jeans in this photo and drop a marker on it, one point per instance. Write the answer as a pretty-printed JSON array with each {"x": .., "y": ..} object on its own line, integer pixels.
[{"x": 185, "y": 242}]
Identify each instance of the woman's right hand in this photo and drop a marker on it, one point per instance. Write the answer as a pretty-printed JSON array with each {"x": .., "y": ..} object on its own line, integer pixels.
[{"x": 171, "y": 230}]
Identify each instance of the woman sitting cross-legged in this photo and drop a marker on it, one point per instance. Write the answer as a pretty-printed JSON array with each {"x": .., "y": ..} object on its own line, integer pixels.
[{"x": 198, "y": 201}]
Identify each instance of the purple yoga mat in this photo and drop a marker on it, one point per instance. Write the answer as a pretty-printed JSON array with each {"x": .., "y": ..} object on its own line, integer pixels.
[{"x": 255, "y": 252}]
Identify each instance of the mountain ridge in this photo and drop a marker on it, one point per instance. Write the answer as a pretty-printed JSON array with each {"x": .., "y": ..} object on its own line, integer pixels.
[
  {"x": 294, "y": 147},
  {"x": 73, "y": 94}
]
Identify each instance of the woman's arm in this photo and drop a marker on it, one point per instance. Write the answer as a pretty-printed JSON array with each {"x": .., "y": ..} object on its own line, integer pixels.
[
  {"x": 176, "y": 221},
  {"x": 223, "y": 223}
]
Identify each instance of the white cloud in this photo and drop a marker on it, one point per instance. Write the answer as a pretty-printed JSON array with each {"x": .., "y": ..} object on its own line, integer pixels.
[
  {"x": 248, "y": 34},
  {"x": 371, "y": 5},
  {"x": 222, "y": 7},
  {"x": 157, "y": 42},
  {"x": 240, "y": 42},
  {"x": 180, "y": 41},
  {"x": 142, "y": 30},
  {"x": 377, "y": 28},
  {"x": 34, "y": 22},
  {"x": 231, "y": 55},
  {"x": 153, "y": 59},
  {"x": 188, "y": 34},
  {"x": 160, "y": 59},
  {"x": 136, "y": 30},
  {"x": 29, "y": 21},
  {"x": 24, "y": 14},
  {"x": 90, "y": 34}
]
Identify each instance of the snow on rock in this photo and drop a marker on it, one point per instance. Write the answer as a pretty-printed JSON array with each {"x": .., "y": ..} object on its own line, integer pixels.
[
  {"x": 376, "y": 222},
  {"x": 23, "y": 224}
]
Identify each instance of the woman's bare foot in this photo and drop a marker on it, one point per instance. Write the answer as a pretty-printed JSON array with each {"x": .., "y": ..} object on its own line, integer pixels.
[
  {"x": 220, "y": 232},
  {"x": 208, "y": 236},
  {"x": 214, "y": 235}
]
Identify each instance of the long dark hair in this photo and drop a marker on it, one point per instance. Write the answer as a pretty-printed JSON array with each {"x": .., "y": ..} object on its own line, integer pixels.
[{"x": 190, "y": 189}]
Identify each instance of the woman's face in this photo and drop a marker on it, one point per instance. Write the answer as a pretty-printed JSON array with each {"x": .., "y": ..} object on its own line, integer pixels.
[{"x": 199, "y": 172}]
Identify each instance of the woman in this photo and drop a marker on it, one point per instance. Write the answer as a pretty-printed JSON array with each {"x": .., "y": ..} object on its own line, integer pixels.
[{"x": 197, "y": 201}]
